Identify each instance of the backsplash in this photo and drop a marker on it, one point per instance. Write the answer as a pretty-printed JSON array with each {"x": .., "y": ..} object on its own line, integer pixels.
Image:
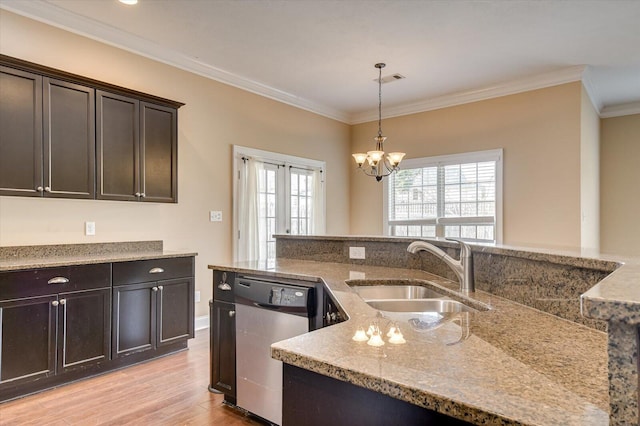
[{"x": 548, "y": 282}]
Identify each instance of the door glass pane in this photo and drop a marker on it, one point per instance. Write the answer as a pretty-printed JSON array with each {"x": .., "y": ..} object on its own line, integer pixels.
[
  {"x": 301, "y": 201},
  {"x": 267, "y": 198}
]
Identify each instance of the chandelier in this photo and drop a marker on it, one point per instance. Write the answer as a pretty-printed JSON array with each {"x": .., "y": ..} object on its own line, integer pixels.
[{"x": 377, "y": 165}]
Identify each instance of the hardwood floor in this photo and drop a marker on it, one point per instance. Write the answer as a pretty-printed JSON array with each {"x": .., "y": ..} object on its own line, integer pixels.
[{"x": 167, "y": 391}]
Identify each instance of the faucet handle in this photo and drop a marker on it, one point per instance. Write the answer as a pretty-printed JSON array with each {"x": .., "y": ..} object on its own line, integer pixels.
[{"x": 465, "y": 249}]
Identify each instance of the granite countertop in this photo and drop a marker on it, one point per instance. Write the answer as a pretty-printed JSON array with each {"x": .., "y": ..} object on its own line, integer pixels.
[
  {"x": 48, "y": 256},
  {"x": 617, "y": 297},
  {"x": 517, "y": 366}
]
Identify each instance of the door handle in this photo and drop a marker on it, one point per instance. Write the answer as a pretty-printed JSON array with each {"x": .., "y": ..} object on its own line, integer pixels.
[
  {"x": 156, "y": 270},
  {"x": 232, "y": 314},
  {"x": 224, "y": 286},
  {"x": 58, "y": 280}
]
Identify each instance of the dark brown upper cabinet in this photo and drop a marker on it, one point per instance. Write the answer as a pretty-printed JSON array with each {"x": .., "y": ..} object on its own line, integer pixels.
[
  {"x": 68, "y": 136},
  {"x": 47, "y": 133},
  {"x": 20, "y": 132},
  {"x": 137, "y": 149}
]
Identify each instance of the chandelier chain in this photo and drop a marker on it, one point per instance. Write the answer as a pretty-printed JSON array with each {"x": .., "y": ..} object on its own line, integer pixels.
[{"x": 380, "y": 99}]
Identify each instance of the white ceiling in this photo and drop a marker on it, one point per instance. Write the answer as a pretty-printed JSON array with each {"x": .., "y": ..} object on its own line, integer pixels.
[{"x": 319, "y": 54}]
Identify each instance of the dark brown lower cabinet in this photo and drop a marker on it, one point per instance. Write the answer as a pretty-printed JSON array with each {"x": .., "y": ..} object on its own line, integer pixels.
[
  {"x": 147, "y": 316},
  {"x": 312, "y": 399},
  {"x": 84, "y": 329},
  {"x": 223, "y": 349},
  {"x": 27, "y": 339},
  {"x": 52, "y": 335}
]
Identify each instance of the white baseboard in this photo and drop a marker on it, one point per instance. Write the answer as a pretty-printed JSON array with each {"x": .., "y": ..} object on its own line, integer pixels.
[{"x": 202, "y": 322}]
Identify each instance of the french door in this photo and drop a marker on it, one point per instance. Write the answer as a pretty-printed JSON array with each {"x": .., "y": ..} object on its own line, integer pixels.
[{"x": 275, "y": 194}]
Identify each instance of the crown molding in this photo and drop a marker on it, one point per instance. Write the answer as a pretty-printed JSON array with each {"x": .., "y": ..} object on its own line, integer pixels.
[
  {"x": 53, "y": 15},
  {"x": 562, "y": 76},
  {"x": 620, "y": 110}
]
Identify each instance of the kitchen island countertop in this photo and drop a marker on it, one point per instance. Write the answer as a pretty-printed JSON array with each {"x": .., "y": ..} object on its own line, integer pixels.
[{"x": 518, "y": 365}]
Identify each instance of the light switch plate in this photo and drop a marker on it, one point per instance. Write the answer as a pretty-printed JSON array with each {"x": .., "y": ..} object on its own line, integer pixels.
[
  {"x": 197, "y": 296},
  {"x": 215, "y": 216},
  {"x": 356, "y": 253},
  {"x": 89, "y": 228}
]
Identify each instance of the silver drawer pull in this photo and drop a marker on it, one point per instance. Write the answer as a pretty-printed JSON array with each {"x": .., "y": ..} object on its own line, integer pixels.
[
  {"x": 232, "y": 314},
  {"x": 224, "y": 286},
  {"x": 156, "y": 270},
  {"x": 58, "y": 280}
]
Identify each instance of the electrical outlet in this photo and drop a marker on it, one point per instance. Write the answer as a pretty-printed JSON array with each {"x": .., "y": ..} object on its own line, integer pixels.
[
  {"x": 197, "y": 293},
  {"x": 356, "y": 253},
  {"x": 215, "y": 216},
  {"x": 89, "y": 228}
]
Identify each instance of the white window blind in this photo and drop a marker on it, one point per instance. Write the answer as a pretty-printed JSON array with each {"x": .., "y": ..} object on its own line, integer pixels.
[{"x": 448, "y": 196}]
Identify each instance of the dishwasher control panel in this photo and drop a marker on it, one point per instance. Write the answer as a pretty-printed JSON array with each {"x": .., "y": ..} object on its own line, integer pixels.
[
  {"x": 281, "y": 296},
  {"x": 288, "y": 296}
]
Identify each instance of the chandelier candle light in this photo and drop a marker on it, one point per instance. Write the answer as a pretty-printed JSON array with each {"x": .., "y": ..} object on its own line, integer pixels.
[{"x": 378, "y": 165}]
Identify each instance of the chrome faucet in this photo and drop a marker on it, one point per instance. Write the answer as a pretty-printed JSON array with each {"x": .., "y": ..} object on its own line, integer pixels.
[{"x": 463, "y": 267}]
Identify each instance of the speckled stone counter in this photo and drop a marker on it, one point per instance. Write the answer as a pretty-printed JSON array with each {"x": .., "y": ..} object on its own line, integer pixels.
[
  {"x": 543, "y": 279},
  {"x": 510, "y": 364},
  {"x": 616, "y": 299},
  {"x": 48, "y": 256}
]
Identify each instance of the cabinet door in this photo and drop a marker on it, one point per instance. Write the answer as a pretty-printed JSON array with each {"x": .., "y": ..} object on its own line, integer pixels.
[
  {"x": 158, "y": 151},
  {"x": 69, "y": 140},
  {"x": 223, "y": 348},
  {"x": 117, "y": 130},
  {"x": 20, "y": 133},
  {"x": 175, "y": 310},
  {"x": 27, "y": 339},
  {"x": 134, "y": 314},
  {"x": 84, "y": 329}
]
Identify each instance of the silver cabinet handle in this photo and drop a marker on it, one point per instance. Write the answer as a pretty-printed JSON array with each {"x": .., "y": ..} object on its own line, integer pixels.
[
  {"x": 224, "y": 286},
  {"x": 58, "y": 280},
  {"x": 39, "y": 189},
  {"x": 54, "y": 303},
  {"x": 137, "y": 194},
  {"x": 154, "y": 288},
  {"x": 63, "y": 301},
  {"x": 232, "y": 313},
  {"x": 156, "y": 270},
  {"x": 47, "y": 189},
  {"x": 160, "y": 288},
  {"x": 142, "y": 195}
]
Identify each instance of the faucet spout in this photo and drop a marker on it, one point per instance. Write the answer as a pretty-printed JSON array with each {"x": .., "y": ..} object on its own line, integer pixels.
[{"x": 463, "y": 268}]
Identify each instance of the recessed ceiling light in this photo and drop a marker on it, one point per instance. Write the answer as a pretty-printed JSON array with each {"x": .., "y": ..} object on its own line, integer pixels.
[{"x": 129, "y": 2}]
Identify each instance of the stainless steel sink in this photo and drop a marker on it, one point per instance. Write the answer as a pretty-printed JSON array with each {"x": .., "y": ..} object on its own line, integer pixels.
[
  {"x": 395, "y": 292},
  {"x": 420, "y": 306}
]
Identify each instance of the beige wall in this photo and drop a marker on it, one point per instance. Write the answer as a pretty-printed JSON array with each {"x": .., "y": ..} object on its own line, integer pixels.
[
  {"x": 620, "y": 185},
  {"x": 214, "y": 118},
  {"x": 589, "y": 175},
  {"x": 540, "y": 134}
]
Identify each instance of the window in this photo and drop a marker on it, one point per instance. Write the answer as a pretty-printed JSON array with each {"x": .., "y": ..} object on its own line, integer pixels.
[
  {"x": 274, "y": 194},
  {"x": 453, "y": 196}
]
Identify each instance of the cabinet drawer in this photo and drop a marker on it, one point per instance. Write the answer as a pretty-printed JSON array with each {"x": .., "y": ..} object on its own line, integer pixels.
[
  {"x": 40, "y": 282},
  {"x": 141, "y": 271}
]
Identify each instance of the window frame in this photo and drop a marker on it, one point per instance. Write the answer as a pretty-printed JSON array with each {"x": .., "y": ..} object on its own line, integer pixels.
[{"x": 445, "y": 160}]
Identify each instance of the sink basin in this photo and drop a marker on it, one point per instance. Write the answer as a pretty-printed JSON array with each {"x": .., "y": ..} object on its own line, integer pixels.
[
  {"x": 403, "y": 292},
  {"x": 420, "y": 306}
]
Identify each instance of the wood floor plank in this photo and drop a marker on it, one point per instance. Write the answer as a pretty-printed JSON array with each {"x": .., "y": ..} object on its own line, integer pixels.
[{"x": 168, "y": 391}]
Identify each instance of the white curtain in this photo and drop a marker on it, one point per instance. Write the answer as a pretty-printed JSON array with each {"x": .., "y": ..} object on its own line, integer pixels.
[
  {"x": 318, "y": 225},
  {"x": 248, "y": 248}
]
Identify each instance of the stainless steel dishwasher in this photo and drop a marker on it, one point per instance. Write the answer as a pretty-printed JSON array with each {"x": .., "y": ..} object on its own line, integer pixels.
[{"x": 267, "y": 312}]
